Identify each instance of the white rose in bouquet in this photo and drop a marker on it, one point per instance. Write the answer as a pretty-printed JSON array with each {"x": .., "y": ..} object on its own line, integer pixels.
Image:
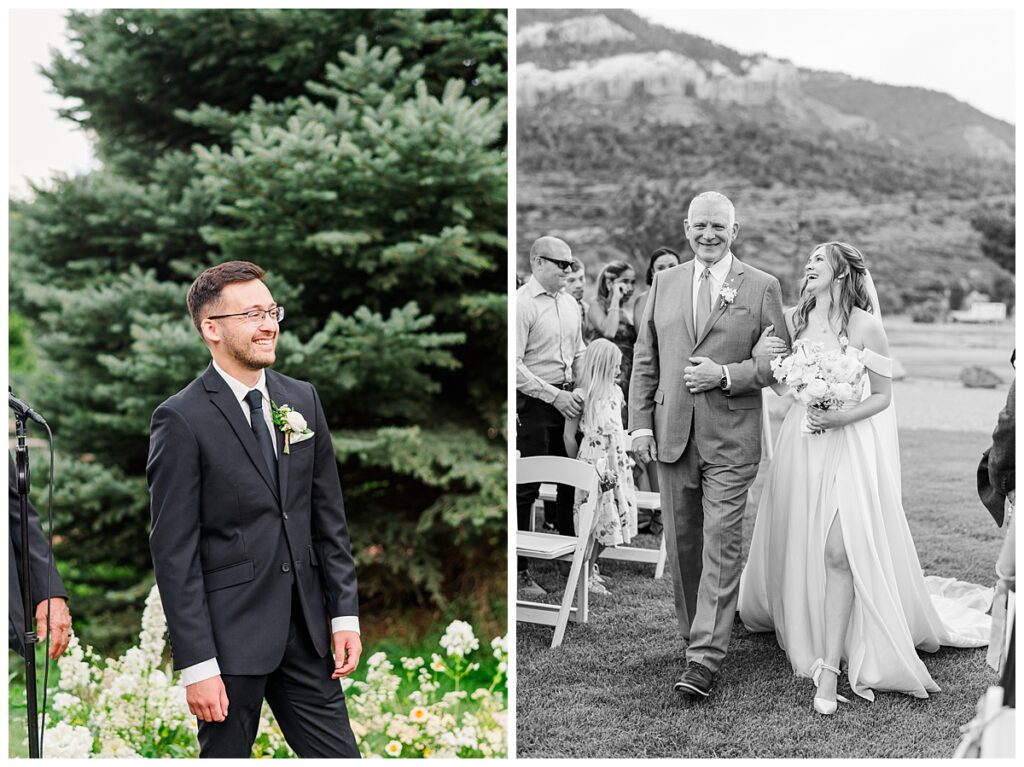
[
  {"x": 816, "y": 389},
  {"x": 844, "y": 391}
]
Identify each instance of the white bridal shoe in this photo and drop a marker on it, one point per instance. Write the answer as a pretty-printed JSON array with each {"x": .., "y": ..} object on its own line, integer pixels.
[{"x": 823, "y": 705}]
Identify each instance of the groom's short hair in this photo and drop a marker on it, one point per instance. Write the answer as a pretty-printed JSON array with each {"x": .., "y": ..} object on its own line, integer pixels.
[
  {"x": 208, "y": 285},
  {"x": 712, "y": 197}
]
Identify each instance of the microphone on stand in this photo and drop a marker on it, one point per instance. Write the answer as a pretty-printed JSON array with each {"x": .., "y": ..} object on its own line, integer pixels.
[{"x": 22, "y": 409}]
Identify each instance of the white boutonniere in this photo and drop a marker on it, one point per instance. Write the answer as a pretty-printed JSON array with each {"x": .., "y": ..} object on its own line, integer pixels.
[
  {"x": 291, "y": 422},
  {"x": 727, "y": 294}
]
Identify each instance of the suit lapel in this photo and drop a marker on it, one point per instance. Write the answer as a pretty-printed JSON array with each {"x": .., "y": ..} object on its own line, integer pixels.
[
  {"x": 733, "y": 280},
  {"x": 275, "y": 385},
  {"x": 224, "y": 400},
  {"x": 687, "y": 302}
]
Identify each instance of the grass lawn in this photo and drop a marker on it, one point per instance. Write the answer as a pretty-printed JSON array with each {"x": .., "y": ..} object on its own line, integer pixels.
[{"x": 607, "y": 691}]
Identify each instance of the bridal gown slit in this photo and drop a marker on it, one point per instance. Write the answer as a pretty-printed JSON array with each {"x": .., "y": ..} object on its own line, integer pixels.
[{"x": 851, "y": 474}]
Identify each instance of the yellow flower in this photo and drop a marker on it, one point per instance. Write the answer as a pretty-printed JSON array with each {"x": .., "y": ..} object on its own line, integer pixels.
[
  {"x": 394, "y": 748},
  {"x": 418, "y": 714}
]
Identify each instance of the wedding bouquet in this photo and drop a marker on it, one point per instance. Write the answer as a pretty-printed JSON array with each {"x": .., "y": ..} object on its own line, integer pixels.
[{"x": 818, "y": 377}]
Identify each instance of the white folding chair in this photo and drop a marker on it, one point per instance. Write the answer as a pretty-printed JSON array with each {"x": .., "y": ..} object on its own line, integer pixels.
[
  {"x": 645, "y": 499},
  {"x": 559, "y": 547}
]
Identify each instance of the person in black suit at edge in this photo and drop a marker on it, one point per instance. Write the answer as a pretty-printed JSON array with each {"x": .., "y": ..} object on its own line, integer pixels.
[
  {"x": 249, "y": 538},
  {"x": 40, "y": 568},
  {"x": 997, "y": 490}
]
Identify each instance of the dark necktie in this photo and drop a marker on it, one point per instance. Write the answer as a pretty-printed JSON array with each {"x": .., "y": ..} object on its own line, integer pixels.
[
  {"x": 259, "y": 428},
  {"x": 703, "y": 300}
]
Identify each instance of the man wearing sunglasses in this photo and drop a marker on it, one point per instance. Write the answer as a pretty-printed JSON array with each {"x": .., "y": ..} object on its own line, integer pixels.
[
  {"x": 549, "y": 344},
  {"x": 249, "y": 539}
]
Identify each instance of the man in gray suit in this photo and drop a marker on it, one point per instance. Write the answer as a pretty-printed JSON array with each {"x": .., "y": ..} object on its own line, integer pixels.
[{"x": 695, "y": 408}]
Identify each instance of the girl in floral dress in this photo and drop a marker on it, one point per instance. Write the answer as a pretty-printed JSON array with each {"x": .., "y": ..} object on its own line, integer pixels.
[{"x": 604, "y": 445}]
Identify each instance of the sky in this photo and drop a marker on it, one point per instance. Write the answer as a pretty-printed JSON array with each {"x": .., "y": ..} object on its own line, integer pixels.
[
  {"x": 966, "y": 53},
  {"x": 39, "y": 143}
]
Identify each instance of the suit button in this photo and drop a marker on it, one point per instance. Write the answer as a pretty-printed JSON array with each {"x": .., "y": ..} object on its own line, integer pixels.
[{"x": 286, "y": 567}]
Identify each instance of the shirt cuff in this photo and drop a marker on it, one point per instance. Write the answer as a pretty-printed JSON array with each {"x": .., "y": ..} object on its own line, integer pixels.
[
  {"x": 345, "y": 623},
  {"x": 728, "y": 378},
  {"x": 200, "y": 671},
  {"x": 641, "y": 433}
]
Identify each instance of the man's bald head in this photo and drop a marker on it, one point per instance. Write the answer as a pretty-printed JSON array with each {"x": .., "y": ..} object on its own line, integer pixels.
[
  {"x": 550, "y": 247},
  {"x": 550, "y": 259}
]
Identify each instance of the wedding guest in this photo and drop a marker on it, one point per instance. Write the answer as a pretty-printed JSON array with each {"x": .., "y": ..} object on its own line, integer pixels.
[
  {"x": 997, "y": 490},
  {"x": 549, "y": 343},
  {"x": 661, "y": 259},
  {"x": 604, "y": 445},
  {"x": 575, "y": 283},
  {"x": 996, "y": 473},
  {"x": 610, "y": 318}
]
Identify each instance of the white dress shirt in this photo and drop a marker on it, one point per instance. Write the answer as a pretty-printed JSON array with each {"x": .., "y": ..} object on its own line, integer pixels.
[
  {"x": 210, "y": 668},
  {"x": 719, "y": 273}
]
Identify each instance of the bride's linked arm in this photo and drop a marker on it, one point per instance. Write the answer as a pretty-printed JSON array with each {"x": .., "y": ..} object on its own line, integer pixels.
[{"x": 869, "y": 335}]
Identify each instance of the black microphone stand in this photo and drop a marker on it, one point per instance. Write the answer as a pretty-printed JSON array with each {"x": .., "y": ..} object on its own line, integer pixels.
[{"x": 29, "y": 639}]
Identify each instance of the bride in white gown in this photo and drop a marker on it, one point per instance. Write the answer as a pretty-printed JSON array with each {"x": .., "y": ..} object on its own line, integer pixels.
[{"x": 832, "y": 567}]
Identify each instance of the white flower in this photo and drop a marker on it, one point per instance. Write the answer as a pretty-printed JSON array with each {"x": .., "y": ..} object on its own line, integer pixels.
[
  {"x": 844, "y": 391},
  {"x": 500, "y": 646},
  {"x": 816, "y": 388},
  {"x": 394, "y": 748},
  {"x": 295, "y": 421},
  {"x": 727, "y": 294},
  {"x": 411, "y": 664},
  {"x": 63, "y": 702},
  {"x": 418, "y": 714},
  {"x": 65, "y": 741},
  {"x": 459, "y": 640}
]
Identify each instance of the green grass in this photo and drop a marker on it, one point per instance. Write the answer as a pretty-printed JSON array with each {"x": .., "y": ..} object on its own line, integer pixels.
[{"x": 607, "y": 691}]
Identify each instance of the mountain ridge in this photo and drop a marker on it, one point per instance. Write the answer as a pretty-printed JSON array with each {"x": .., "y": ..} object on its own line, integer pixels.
[{"x": 614, "y": 56}]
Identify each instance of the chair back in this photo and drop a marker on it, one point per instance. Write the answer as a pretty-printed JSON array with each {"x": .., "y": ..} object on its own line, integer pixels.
[{"x": 565, "y": 471}]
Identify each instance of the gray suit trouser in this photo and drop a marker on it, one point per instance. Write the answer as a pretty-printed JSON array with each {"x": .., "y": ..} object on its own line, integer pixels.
[{"x": 702, "y": 508}]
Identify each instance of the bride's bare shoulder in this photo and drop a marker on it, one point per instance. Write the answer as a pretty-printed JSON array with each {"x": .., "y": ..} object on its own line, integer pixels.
[{"x": 866, "y": 331}]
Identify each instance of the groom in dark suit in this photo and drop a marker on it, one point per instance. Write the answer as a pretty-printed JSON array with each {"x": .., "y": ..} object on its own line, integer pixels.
[
  {"x": 695, "y": 408},
  {"x": 249, "y": 541}
]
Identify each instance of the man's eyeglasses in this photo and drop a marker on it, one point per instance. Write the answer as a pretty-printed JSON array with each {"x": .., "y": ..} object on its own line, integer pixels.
[
  {"x": 255, "y": 315},
  {"x": 563, "y": 265}
]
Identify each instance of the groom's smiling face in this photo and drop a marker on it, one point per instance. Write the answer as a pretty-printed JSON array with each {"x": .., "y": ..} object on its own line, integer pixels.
[
  {"x": 250, "y": 344},
  {"x": 710, "y": 230}
]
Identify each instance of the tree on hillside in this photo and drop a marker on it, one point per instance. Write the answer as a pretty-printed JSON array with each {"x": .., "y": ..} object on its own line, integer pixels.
[
  {"x": 999, "y": 236},
  {"x": 375, "y": 196}
]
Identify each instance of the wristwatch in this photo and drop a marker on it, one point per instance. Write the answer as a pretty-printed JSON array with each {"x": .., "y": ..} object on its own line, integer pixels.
[{"x": 723, "y": 382}]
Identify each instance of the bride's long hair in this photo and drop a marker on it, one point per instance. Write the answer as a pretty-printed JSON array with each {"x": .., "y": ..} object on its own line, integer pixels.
[
  {"x": 601, "y": 363},
  {"x": 847, "y": 266}
]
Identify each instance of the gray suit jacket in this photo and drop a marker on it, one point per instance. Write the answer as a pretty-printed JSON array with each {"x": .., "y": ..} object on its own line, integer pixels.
[{"x": 727, "y": 426}]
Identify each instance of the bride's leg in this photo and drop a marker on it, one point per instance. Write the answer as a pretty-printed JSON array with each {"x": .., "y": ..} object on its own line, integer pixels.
[{"x": 838, "y": 605}]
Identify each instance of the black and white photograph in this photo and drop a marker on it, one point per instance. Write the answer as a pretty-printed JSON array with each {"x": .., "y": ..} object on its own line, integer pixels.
[{"x": 764, "y": 339}]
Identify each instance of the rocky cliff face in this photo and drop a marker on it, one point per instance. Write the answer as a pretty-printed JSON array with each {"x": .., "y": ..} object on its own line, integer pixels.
[{"x": 595, "y": 60}]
